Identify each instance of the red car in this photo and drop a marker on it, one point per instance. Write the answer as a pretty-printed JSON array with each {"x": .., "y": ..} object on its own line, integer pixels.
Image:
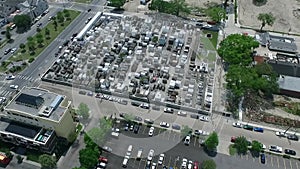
[
  {"x": 196, "y": 165},
  {"x": 103, "y": 159},
  {"x": 233, "y": 139}
]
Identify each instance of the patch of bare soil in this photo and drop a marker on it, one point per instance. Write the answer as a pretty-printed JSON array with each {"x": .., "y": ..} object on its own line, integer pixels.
[{"x": 286, "y": 12}]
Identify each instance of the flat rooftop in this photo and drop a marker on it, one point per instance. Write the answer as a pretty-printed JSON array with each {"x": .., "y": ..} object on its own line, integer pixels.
[
  {"x": 278, "y": 43},
  {"x": 37, "y": 102},
  {"x": 289, "y": 83}
]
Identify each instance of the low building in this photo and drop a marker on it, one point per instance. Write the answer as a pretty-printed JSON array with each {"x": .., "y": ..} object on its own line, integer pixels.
[
  {"x": 289, "y": 86},
  {"x": 34, "y": 118}
]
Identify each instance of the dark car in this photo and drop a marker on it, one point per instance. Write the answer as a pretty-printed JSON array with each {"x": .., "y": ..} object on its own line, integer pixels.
[
  {"x": 194, "y": 116},
  {"x": 136, "y": 129},
  {"x": 290, "y": 152},
  {"x": 293, "y": 137},
  {"x": 138, "y": 118},
  {"x": 7, "y": 51},
  {"x": 263, "y": 158},
  {"x": 89, "y": 10},
  {"x": 126, "y": 127},
  {"x": 135, "y": 104},
  {"x": 248, "y": 127}
]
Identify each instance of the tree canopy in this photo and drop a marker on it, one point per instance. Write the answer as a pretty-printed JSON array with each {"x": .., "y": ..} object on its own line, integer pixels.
[
  {"x": 117, "y": 3},
  {"x": 256, "y": 147},
  {"x": 241, "y": 145},
  {"x": 174, "y": 7},
  {"x": 47, "y": 161},
  {"x": 186, "y": 130},
  {"x": 83, "y": 110},
  {"x": 266, "y": 19},
  {"x": 216, "y": 13},
  {"x": 212, "y": 141},
  {"x": 237, "y": 49},
  {"x": 23, "y": 22},
  {"x": 88, "y": 157},
  {"x": 209, "y": 164}
]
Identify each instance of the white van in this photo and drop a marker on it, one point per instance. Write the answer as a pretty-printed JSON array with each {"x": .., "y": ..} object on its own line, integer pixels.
[
  {"x": 139, "y": 154},
  {"x": 125, "y": 161},
  {"x": 129, "y": 148}
]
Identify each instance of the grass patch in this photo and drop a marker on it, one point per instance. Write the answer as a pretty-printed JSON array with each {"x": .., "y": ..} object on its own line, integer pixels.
[
  {"x": 83, "y": 1},
  {"x": 19, "y": 56},
  {"x": 232, "y": 150},
  {"x": 65, "y": 103},
  {"x": 79, "y": 127},
  {"x": 211, "y": 42},
  {"x": 211, "y": 57}
]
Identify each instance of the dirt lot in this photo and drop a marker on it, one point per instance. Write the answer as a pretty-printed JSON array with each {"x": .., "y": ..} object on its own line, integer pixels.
[{"x": 287, "y": 13}]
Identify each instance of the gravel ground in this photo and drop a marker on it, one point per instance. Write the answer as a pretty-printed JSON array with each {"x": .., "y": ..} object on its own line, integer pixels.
[{"x": 287, "y": 13}]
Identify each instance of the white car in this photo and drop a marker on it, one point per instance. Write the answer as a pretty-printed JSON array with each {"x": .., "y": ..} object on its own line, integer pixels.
[
  {"x": 201, "y": 132},
  {"x": 153, "y": 166},
  {"x": 238, "y": 125},
  {"x": 161, "y": 159},
  {"x": 164, "y": 124},
  {"x": 13, "y": 50},
  {"x": 168, "y": 110},
  {"x": 203, "y": 118},
  {"x": 10, "y": 77},
  {"x": 151, "y": 131},
  {"x": 275, "y": 148},
  {"x": 280, "y": 134},
  {"x": 150, "y": 155},
  {"x": 187, "y": 140},
  {"x": 263, "y": 146},
  {"x": 14, "y": 87},
  {"x": 184, "y": 163},
  {"x": 190, "y": 165},
  {"x": 181, "y": 113}
]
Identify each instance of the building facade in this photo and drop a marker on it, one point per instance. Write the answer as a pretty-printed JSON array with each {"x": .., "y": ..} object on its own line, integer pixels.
[{"x": 34, "y": 119}]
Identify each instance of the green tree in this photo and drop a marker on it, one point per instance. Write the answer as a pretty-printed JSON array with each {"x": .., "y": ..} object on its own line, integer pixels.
[
  {"x": 66, "y": 13},
  {"x": 241, "y": 145},
  {"x": 47, "y": 161},
  {"x": 55, "y": 25},
  {"x": 88, "y": 157},
  {"x": 186, "y": 130},
  {"x": 117, "y": 3},
  {"x": 47, "y": 33},
  {"x": 174, "y": 7},
  {"x": 40, "y": 39},
  {"x": 180, "y": 6},
  {"x": 7, "y": 33},
  {"x": 22, "y": 47},
  {"x": 23, "y": 22},
  {"x": 237, "y": 49},
  {"x": 83, "y": 111},
  {"x": 216, "y": 13},
  {"x": 209, "y": 164},
  {"x": 60, "y": 17},
  {"x": 256, "y": 147},
  {"x": 266, "y": 19},
  {"x": 31, "y": 46},
  {"x": 212, "y": 142},
  {"x": 79, "y": 168}
]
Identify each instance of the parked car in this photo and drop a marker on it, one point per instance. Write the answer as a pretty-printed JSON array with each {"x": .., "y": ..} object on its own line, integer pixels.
[
  {"x": 293, "y": 137},
  {"x": 103, "y": 159},
  {"x": 184, "y": 163},
  {"x": 181, "y": 113},
  {"x": 201, "y": 132},
  {"x": 203, "y": 118},
  {"x": 258, "y": 129},
  {"x": 248, "y": 127},
  {"x": 187, "y": 140},
  {"x": 164, "y": 124},
  {"x": 107, "y": 149},
  {"x": 275, "y": 148},
  {"x": 149, "y": 121},
  {"x": 7, "y": 51},
  {"x": 138, "y": 118},
  {"x": 176, "y": 126},
  {"x": 190, "y": 165},
  {"x": 136, "y": 129},
  {"x": 169, "y": 110},
  {"x": 196, "y": 165},
  {"x": 263, "y": 158},
  {"x": 290, "y": 152},
  {"x": 238, "y": 125},
  {"x": 161, "y": 159},
  {"x": 150, "y": 155},
  {"x": 13, "y": 50},
  {"x": 232, "y": 139},
  {"x": 145, "y": 106},
  {"x": 126, "y": 127},
  {"x": 151, "y": 131},
  {"x": 280, "y": 134},
  {"x": 194, "y": 116}
]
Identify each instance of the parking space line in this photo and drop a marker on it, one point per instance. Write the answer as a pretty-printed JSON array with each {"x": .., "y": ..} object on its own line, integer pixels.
[
  {"x": 283, "y": 163},
  {"x": 297, "y": 165},
  {"x": 278, "y": 162},
  {"x": 272, "y": 161},
  {"x": 139, "y": 163},
  {"x": 247, "y": 156},
  {"x": 291, "y": 166},
  {"x": 174, "y": 138},
  {"x": 169, "y": 162},
  {"x": 195, "y": 141},
  {"x": 145, "y": 130}
]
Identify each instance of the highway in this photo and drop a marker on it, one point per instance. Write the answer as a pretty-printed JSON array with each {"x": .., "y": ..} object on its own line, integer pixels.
[{"x": 30, "y": 76}]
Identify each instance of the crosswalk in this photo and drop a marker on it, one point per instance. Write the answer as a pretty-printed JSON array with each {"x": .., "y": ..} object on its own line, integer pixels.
[{"x": 24, "y": 77}]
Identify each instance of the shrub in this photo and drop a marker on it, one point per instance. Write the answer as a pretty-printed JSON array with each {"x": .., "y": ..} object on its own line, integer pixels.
[
  {"x": 31, "y": 60},
  {"x": 286, "y": 156}
]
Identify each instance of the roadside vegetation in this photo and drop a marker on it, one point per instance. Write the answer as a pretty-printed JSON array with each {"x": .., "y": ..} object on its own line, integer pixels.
[
  {"x": 245, "y": 80},
  {"x": 36, "y": 44}
]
